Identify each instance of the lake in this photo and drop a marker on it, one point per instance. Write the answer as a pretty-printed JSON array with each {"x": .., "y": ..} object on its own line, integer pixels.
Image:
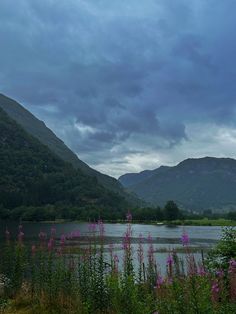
[{"x": 164, "y": 238}]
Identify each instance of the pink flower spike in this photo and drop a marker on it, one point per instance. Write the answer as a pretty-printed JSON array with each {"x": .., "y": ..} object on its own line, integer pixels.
[
  {"x": 53, "y": 231},
  {"x": 149, "y": 238},
  {"x": 215, "y": 287},
  {"x": 63, "y": 240},
  {"x": 201, "y": 271},
  {"x": 50, "y": 244},
  {"x": 185, "y": 239},
  {"x": 232, "y": 263},
  {"x": 92, "y": 227},
  {"x": 170, "y": 260},
  {"x": 160, "y": 281}
]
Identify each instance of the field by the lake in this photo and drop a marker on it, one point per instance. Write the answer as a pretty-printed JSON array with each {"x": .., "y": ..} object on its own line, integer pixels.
[{"x": 108, "y": 268}]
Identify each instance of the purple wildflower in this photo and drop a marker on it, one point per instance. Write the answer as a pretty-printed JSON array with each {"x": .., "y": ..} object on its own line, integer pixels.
[
  {"x": 169, "y": 260},
  {"x": 232, "y": 265},
  {"x": 201, "y": 271},
  {"x": 50, "y": 244},
  {"x": 185, "y": 239},
  {"x": 220, "y": 273},
  {"x": 53, "y": 231},
  {"x": 92, "y": 227},
  {"x": 215, "y": 288},
  {"x": 159, "y": 282},
  {"x": 63, "y": 240}
]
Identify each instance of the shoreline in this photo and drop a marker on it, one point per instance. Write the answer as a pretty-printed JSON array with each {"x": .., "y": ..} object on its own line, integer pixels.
[{"x": 221, "y": 222}]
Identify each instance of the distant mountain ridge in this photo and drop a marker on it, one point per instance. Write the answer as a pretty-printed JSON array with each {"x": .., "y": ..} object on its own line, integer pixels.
[
  {"x": 38, "y": 129},
  {"x": 195, "y": 184}
]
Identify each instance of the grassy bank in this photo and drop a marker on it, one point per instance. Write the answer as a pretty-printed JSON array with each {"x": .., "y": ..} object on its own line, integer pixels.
[
  {"x": 49, "y": 277},
  {"x": 203, "y": 222}
]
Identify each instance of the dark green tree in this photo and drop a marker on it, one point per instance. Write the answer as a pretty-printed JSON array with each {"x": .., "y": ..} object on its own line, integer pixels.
[{"x": 171, "y": 211}]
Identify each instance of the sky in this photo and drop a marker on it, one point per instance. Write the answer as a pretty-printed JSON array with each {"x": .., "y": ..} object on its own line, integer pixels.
[{"x": 128, "y": 85}]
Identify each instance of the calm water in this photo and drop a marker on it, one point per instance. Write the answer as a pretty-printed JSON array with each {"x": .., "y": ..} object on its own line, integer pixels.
[{"x": 164, "y": 237}]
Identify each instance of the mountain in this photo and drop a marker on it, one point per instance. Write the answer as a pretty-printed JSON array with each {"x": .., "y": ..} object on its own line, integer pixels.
[
  {"x": 39, "y": 130},
  {"x": 130, "y": 179},
  {"x": 32, "y": 175},
  {"x": 194, "y": 184}
]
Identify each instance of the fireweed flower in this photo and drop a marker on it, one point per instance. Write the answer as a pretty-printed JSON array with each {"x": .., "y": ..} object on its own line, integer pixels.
[
  {"x": 159, "y": 282},
  {"x": 185, "y": 239},
  {"x": 63, "y": 240},
  {"x": 220, "y": 273},
  {"x": 232, "y": 264},
  {"x": 53, "y": 231},
  {"x": 201, "y": 271},
  {"x": 232, "y": 279},
  {"x": 92, "y": 227},
  {"x": 215, "y": 289},
  {"x": 169, "y": 260},
  {"x": 76, "y": 234},
  {"x": 50, "y": 244}
]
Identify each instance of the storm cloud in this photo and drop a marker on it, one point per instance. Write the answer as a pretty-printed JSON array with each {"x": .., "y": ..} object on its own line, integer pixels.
[{"x": 128, "y": 85}]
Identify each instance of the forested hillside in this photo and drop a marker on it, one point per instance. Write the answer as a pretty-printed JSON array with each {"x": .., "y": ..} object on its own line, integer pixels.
[
  {"x": 31, "y": 175},
  {"x": 197, "y": 184},
  {"x": 39, "y": 130}
]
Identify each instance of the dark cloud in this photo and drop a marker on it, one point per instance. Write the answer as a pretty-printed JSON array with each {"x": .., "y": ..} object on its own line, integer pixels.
[{"x": 123, "y": 79}]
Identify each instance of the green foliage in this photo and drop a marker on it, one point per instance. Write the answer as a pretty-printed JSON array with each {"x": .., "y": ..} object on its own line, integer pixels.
[
  {"x": 225, "y": 250},
  {"x": 194, "y": 184},
  {"x": 50, "y": 279},
  {"x": 232, "y": 216},
  {"x": 32, "y": 176},
  {"x": 171, "y": 211}
]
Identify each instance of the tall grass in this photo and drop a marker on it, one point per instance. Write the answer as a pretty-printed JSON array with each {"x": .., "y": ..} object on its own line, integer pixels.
[{"x": 47, "y": 277}]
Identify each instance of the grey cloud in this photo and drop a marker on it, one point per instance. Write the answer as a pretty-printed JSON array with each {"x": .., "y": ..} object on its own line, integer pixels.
[{"x": 134, "y": 72}]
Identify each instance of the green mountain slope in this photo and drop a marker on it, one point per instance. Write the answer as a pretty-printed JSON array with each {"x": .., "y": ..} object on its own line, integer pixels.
[
  {"x": 130, "y": 179},
  {"x": 205, "y": 183},
  {"x": 38, "y": 129},
  {"x": 31, "y": 175}
]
